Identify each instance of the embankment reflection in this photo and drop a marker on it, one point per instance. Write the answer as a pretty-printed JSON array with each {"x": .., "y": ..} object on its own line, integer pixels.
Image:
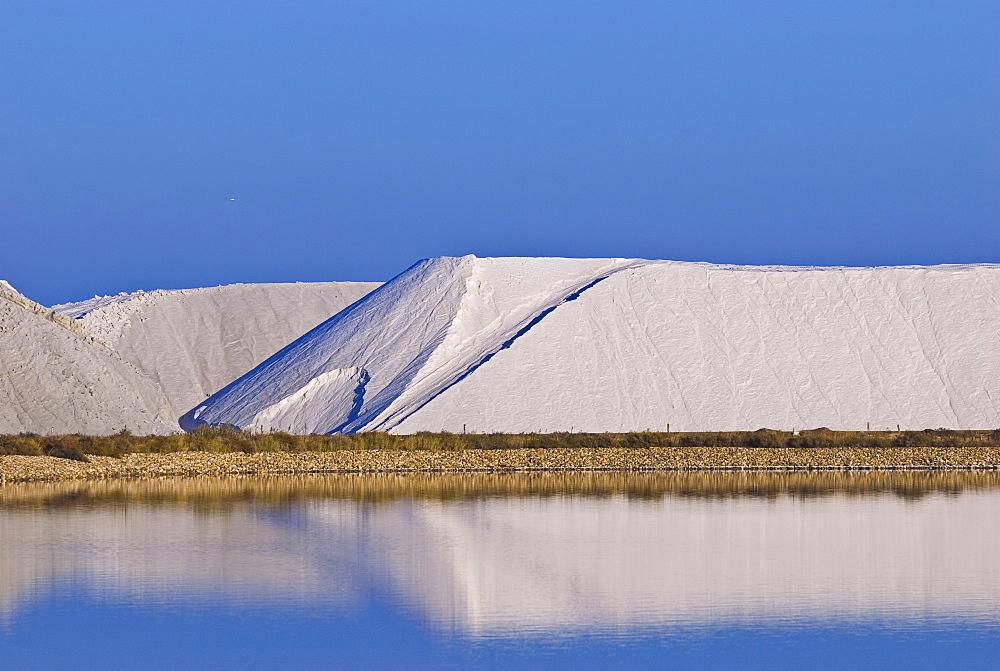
[{"x": 510, "y": 554}]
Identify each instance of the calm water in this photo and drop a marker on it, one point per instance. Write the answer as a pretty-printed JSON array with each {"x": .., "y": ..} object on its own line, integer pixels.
[{"x": 547, "y": 570}]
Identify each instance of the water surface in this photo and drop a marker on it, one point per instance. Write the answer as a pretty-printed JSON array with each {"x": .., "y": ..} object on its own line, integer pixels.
[{"x": 571, "y": 570}]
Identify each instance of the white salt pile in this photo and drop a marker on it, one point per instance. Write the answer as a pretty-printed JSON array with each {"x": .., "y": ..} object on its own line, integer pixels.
[{"x": 547, "y": 344}]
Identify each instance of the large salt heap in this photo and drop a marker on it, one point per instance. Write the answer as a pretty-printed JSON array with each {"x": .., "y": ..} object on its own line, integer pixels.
[
  {"x": 192, "y": 342},
  {"x": 542, "y": 344},
  {"x": 55, "y": 378}
]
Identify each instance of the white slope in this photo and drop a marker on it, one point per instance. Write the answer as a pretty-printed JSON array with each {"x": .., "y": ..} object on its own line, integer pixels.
[
  {"x": 616, "y": 344},
  {"x": 193, "y": 342},
  {"x": 56, "y": 379}
]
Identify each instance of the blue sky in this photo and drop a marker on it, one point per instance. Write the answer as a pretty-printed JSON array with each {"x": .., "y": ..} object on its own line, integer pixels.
[{"x": 358, "y": 137}]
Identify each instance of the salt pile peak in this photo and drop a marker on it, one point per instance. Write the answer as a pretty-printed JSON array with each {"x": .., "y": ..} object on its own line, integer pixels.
[{"x": 547, "y": 344}]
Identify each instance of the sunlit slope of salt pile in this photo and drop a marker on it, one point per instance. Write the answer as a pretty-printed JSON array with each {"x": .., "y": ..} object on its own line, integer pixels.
[
  {"x": 56, "y": 379},
  {"x": 618, "y": 344},
  {"x": 193, "y": 342}
]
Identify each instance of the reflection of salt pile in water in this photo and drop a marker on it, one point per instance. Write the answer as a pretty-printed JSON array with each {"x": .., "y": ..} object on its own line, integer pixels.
[
  {"x": 54, "y": 377},
  {"x": 616, "y": 344},
  {"x": 192, "y": 342},
  {"x": 511, "y": 566},
  {"x": 499, "y": 565}
]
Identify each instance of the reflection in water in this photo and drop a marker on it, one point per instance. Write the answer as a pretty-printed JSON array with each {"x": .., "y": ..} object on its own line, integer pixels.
[{"x": 512, "y": 554}]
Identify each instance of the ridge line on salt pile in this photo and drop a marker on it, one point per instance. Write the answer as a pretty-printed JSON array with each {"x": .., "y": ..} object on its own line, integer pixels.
[{"x": 12, "y": 295}]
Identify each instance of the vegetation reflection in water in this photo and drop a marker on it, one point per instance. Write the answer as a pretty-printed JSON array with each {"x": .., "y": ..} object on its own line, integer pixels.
[
  {"x": 522, "y": 554},
  {"x": 445, "y": 487}
]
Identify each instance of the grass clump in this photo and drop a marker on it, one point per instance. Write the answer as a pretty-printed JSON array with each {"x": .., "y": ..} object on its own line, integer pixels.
[
  {"x": 63, "y": 449},
  {"x": 28, "y": 444}
]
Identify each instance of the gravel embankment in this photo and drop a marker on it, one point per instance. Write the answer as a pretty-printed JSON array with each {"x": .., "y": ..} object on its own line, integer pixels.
[{"x": 22, "y": 469}]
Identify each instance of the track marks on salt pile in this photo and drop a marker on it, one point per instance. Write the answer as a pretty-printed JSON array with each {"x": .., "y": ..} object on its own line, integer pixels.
[{"x": 399, "y": 416}]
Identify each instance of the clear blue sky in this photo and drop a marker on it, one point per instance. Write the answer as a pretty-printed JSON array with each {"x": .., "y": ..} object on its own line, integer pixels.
[{"x": 359, "y": 137}]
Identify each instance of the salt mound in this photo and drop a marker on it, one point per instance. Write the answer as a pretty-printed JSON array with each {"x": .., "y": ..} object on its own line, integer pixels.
[
  {"x": 625, "y": 344},
  {"x": 192, "y": 342},
  {"x": 56, "y": 379}
]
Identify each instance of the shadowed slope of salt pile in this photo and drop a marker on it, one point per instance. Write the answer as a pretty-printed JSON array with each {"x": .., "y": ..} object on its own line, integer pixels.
[
  {"x": 521, "y": 345},
  {"x": 56, "y": 379},
  {"x": 193, "y": 342}
]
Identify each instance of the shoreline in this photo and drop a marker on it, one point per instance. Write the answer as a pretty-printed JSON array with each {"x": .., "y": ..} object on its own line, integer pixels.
[{"x": 17, "y": 468}]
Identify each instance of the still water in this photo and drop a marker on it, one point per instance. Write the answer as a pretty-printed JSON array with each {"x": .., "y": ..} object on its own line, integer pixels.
[{"x": 500, "y": 571}]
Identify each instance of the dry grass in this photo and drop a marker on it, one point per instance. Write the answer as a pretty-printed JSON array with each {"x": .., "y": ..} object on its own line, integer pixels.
[{"x": 223, "y": 440}]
